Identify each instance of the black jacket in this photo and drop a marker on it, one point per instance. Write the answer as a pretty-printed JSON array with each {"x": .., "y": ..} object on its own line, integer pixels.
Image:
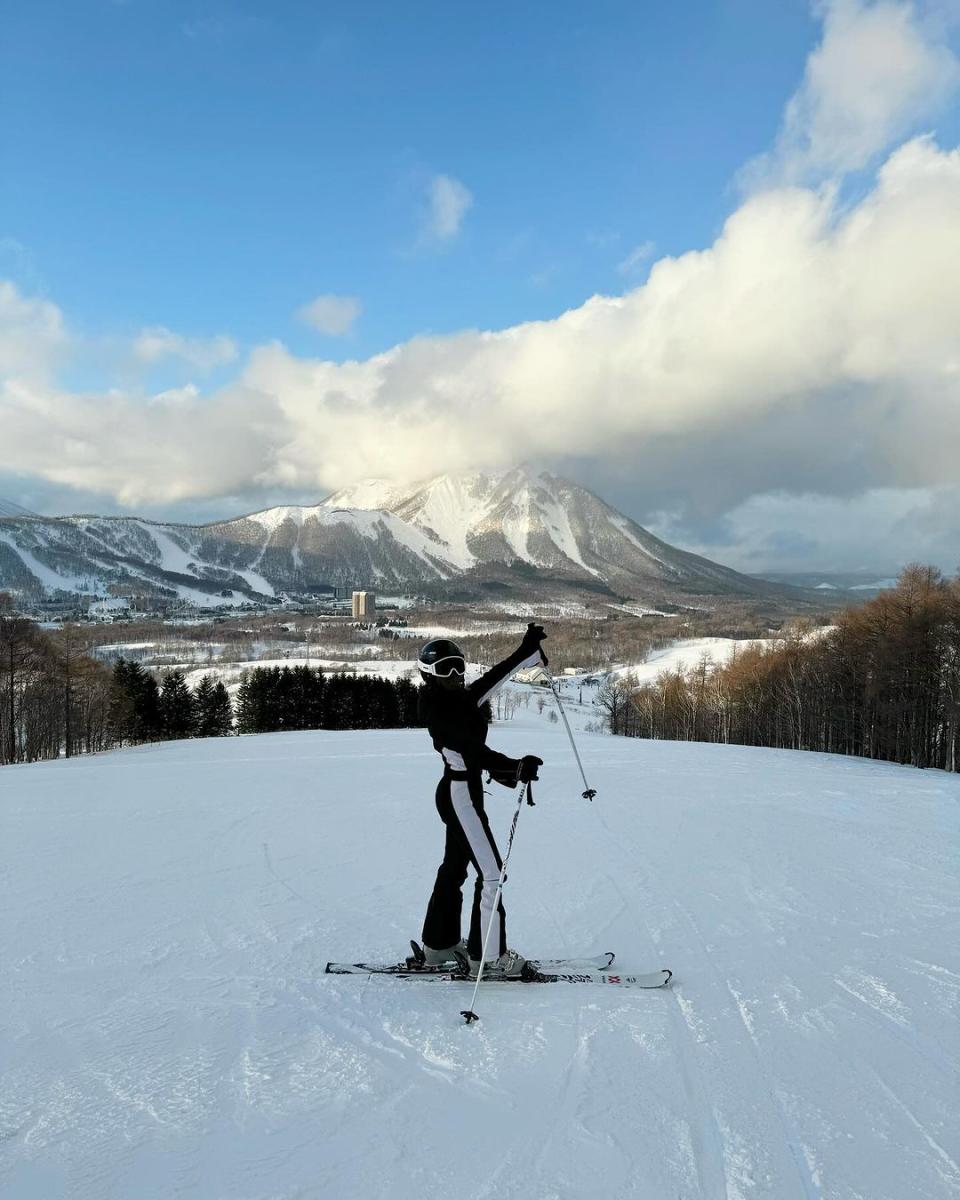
[{"x": 457, "y": 719}]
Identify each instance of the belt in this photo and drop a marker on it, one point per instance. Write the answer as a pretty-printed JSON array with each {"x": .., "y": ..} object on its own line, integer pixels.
[{"x": 450, "y": 773}]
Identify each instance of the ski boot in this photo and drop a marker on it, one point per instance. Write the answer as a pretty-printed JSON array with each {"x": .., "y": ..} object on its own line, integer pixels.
[
  {"x": 510, "y": 965},
  {"x": 426, "y": 956}
]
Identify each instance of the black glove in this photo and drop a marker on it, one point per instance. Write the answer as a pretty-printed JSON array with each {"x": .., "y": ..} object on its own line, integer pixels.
[
  {"x": 532, "y": 639},
  {"x": 527, "y": 770},
  {"x": 505, "y": 776}
]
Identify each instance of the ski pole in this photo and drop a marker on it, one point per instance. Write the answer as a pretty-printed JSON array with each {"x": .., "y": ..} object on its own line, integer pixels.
[
  {"x": 589, "y": 792},
  {"x": 468, "y": 1014}
]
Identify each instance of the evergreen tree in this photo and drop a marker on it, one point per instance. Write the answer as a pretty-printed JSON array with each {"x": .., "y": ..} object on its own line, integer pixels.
[
  {"x": 221, "y": 712},
  {"x": 247, "y": 705},
  {"x": 178, "y": 717},
  {"x": 134, "y": 708},
  {"x": 304, "y": 699},
  {"x": 120, "y": 710},
  {"x": 203, "y": 703},
  {"x": 335, "y": 709},
  {"x": 407, "y": 716},
  {"x": 214, "y": 712},
  {"x": 274, "y": 713},
  {"x": 252, "y": 706},
  {"x": 146, "y": 705}
]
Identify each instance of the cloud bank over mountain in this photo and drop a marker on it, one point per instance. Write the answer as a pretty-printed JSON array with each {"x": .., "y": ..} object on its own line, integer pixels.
[{"x": 813, "y": 350}]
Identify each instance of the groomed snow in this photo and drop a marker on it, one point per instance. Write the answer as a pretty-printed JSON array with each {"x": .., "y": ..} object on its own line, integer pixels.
[
  {"x": 172, "y": 556},
  {"x": 468, "y": 629},
  {"x": 167, "y": 1030},
  {"x": 51, "y": 579},
  {"x": 685, "y": 654}
]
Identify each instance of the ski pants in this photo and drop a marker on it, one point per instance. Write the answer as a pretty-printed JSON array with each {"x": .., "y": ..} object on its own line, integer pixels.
[{"x": 469, "y": 842}]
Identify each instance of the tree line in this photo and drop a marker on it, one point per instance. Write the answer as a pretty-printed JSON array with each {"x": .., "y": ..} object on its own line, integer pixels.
[
  {"x": 141, "y": 710},
  {"x": 274, "y": 698},
  {"x": 56, "y": 701},
  {"x": 882, "y": 682}
]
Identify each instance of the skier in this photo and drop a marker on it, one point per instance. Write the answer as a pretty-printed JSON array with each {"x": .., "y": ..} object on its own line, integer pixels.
[{"x": 457, "y": 717}]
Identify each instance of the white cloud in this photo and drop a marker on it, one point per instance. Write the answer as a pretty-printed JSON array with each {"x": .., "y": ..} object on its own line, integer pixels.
[
  {"x": 139, "y": 450},
  {"x": 156, "y": 344},
  {"x": 804, "y": 349},
  {"x": 637, "y": 259},
  {"x": 332, "y": 315},
  {"x": 33, "y": 335},
  {"x": 809, "y": 349},
  {"x": 447, "y": 203},
  {"x": 879, "y": 72}
]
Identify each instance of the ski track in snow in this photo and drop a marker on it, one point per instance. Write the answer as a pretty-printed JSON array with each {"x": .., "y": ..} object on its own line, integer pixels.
[{"x": 166, "y": 1029}]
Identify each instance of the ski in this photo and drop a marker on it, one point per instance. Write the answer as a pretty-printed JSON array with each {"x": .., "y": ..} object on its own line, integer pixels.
[
  {"x": 650, "y": 979},
  {"x": 412, "y": 968},
  {"x": 627, "y": 979}
]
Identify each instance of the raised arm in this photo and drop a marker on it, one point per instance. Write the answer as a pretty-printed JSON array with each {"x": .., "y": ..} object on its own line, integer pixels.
[{"x": 527, "y": 654}]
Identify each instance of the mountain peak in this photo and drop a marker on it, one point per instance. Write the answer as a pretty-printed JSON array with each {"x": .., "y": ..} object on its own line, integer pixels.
[
  {"x": 517, "y": 514},
  {"x": 386, "y": 493}
]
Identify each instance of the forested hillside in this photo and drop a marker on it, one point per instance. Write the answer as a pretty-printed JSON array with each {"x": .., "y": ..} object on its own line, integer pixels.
[{"x": 884, "y": 682}]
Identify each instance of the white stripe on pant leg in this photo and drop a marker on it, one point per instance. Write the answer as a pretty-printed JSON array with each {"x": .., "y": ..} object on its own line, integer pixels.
[{"x": 476, "y": 835}]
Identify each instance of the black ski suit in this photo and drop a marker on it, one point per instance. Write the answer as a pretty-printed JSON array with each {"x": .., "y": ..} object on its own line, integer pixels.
[{"x": 457, "y": 722}]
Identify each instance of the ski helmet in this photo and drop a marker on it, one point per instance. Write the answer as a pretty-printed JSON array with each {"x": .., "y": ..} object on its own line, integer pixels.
[{"x": 441, "y": 658}]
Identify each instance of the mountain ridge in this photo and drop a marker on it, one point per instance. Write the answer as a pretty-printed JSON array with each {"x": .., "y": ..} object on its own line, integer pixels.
[{"x": 518, "y": 530}]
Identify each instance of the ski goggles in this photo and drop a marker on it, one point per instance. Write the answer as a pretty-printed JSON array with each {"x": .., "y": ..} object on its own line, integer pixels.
[{"x": 443, "y": 668}]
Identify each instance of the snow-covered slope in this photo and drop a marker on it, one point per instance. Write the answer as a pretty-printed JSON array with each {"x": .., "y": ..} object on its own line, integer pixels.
[
  {"x": 94, "y": 555},
  {"x": 167, "y": 1030},
  {"x": 251, "y": 558},
  {"x": 686, "y": 653},
  {"x": 325, "y": 544}
]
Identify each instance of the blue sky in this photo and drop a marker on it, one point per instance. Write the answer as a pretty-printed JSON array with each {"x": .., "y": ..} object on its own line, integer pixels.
[
  {"x": 214, "y": 167},
  {"x": 704, "y": 258}
]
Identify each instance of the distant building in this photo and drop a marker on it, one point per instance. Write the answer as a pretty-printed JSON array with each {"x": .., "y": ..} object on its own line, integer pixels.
[
  {"x": 109, "y": 610},
  {"x": 534, "y": 675},
  {"x": 364, "y": 606}
]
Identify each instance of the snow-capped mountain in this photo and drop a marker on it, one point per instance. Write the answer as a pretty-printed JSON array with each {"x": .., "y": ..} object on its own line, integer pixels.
[
  {"x": 481, "y": 521},
  {"x": 451, "y": 535}
]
